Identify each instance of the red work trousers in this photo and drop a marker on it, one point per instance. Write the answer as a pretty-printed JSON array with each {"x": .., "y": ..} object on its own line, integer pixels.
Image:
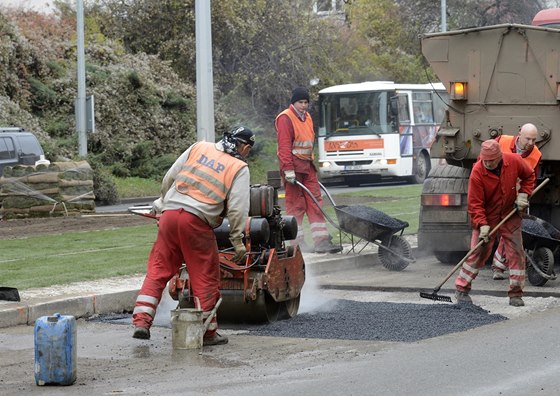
[
  {"x": 510, "y": 233},
  {"x": 499, "y": 263},
  {"x": 299, "y": 203},
  {"x": 182, "y": 238}
]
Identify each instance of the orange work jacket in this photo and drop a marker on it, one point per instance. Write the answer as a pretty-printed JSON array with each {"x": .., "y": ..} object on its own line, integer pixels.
[
  {"x": 507, "y": 145},
  {"x": 303, "y": 135},
  {"x": 208, "y": 173}
]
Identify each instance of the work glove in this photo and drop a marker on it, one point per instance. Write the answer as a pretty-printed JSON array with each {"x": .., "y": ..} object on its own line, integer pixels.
[
  {"x": 522, "y": 201},
  {"x": 240, "y": 252},
  {"x": 484, "y": 234},
  {"x": 157, "y": 206},
  {"x": 290, "y": 176}
]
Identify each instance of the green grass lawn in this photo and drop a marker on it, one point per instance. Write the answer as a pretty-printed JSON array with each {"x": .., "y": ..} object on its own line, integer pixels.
[
  {"x": 133, "y": 187},
  {"x": 42, "y": 261},
  {"x": 76, "y": 256}
]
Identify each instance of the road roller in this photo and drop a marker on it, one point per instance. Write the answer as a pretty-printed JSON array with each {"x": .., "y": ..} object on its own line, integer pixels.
[{"x": 265, "y": 287}]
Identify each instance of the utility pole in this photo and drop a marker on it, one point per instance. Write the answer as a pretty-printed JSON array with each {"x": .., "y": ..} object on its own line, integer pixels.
[
  {"x": 204, "y": 76},
  {"x": 443, "y": 15},
  {"x": 81, "y": 65}
]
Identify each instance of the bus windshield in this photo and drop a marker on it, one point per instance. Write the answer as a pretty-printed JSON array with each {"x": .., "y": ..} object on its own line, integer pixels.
[{"x": 356, "y": 113}]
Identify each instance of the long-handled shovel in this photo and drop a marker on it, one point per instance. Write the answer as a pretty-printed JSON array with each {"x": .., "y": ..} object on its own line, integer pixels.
[{"x": 436, "y": 297}]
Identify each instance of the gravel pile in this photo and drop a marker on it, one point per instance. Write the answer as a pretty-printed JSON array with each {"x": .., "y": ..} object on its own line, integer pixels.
[
  {"x": 380, "y": 321},
  {"x": 533, "y": 227},
  {"x": 372, "y": 215}
]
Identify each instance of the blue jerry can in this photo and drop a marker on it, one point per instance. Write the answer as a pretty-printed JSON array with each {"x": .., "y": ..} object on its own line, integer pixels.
[{"x": 55, "y": 350}]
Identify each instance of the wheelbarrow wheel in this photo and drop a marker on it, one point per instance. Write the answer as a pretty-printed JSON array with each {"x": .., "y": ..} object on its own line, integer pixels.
[
  {"x": 391, "y": 261},
  {"x": 544, "y": 259}
]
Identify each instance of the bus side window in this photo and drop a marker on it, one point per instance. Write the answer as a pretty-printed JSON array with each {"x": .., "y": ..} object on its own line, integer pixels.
[
  {"x": 423, "y": 113},
  {"x": 439, "y": 100},
  {"x": 404, "y": 117}
]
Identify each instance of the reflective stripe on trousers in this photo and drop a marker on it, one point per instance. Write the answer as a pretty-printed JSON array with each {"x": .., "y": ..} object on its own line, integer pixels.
[
  {"x": 299, "y": 203},
  {"x": 510, "y": 233}
]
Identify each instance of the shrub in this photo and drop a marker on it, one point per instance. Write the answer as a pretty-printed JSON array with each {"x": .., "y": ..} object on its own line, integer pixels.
[
  {"x": 57, "y": 128},
  {"x": 134, "y": 80},
  {"x": 57, "y": 69},
  {"x": 104, "y": 187},
  {"x": 43, "y": 95},
  {"x": 174, "y": 101},
  {"x": 119, "y": 169}
]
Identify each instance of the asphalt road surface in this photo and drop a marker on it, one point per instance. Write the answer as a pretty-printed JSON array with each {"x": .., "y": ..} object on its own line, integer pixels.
[
  {"x": 510, "y": 357},
  {"x": 496, "y": 356}
]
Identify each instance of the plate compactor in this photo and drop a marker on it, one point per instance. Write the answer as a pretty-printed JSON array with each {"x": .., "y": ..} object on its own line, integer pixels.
[{"x": 267, "y": 285}]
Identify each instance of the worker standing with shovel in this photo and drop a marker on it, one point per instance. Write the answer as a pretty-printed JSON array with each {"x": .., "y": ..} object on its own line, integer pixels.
[{"x": 492, "y": 194}]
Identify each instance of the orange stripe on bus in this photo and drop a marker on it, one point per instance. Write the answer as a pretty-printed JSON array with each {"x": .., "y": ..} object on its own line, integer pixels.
[{"x": 348, "y": 145}]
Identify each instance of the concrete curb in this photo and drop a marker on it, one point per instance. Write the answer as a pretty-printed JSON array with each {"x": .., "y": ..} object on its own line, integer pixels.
[{"x": 26, "y": 313}]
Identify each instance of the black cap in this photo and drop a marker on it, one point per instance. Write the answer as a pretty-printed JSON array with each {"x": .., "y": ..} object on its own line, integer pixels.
[
  {"x": 299, "y": 93},
  {"x": 242, "y": 135}
]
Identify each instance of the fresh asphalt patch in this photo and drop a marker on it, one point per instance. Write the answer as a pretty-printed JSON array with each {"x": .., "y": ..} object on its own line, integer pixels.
[
  {"x": 342, "y": 319},
  {"x": 380, "y": 321}
]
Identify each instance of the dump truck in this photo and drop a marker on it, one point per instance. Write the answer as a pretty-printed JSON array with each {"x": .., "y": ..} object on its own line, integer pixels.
[{"x": 498, "y": 78}]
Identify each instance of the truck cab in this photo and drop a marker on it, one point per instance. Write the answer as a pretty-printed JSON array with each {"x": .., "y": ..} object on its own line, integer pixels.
[{"x": 498, "y": 78}]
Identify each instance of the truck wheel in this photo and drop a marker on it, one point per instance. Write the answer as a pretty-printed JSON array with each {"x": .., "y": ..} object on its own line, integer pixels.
[
  {"x": 544, "y": 259},
  {"x": 443, "y": 230}
]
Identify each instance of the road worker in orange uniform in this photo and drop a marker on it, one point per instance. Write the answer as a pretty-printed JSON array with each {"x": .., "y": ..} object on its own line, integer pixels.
[
  {"x": 294, "y": 128},
  {"x": 492, "y": 195},
  {"x": 207, "y": 181},
  {"x": 524, "y": 145}
]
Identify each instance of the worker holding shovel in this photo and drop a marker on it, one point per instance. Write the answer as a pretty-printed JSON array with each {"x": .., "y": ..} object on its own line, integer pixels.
[{"x": 492, "y": 195}]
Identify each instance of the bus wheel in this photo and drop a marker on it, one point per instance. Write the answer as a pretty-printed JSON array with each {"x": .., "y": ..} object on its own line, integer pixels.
[{"x": 422, "y": 169}]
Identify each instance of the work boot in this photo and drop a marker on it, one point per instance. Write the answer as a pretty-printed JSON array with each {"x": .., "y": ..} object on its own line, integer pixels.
[
  {"x": 325, "y": 246},
  {"x": 141, "y": 333},
  {"x": 216, "y": 339},
  {"x": 498, "y": 275},
  {"x": 462, "y": 297},
  {"x": 516, "y": 301}
]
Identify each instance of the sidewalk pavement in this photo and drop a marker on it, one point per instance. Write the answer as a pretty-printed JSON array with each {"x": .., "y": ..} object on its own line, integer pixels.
[{"x": 358, "y": 270}]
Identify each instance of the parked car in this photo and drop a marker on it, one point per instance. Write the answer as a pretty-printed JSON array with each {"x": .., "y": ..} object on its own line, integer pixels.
[{"x": 18, "y": 146}]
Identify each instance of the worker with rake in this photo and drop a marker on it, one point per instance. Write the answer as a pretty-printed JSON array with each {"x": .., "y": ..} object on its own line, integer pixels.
[{"x": 492, "y": 195}]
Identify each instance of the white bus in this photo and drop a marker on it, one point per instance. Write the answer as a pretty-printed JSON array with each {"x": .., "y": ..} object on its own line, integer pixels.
[{"x": 378, "y": 129}]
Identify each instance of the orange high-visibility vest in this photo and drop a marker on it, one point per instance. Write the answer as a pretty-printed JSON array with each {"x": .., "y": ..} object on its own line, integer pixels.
[
  {"x": 208, "y": 173},
  {"x": 303, "y": 135},
  {"x": 507, "y": 144}
]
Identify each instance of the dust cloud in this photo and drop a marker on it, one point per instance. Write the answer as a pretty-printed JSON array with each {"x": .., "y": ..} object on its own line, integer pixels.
[{"x": 312, "y": 299}]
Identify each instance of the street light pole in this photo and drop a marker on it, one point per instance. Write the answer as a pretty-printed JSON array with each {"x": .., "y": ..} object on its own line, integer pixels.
[
  {"x": 443, "y": 16},
  {"x": 204, "y": 76},
  {"x": 81, "y": 65}
]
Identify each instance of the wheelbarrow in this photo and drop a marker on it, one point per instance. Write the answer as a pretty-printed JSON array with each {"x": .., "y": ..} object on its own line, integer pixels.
[
  {"x": 373, "y": 226},
  {"x": 541, "y": 241}
]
